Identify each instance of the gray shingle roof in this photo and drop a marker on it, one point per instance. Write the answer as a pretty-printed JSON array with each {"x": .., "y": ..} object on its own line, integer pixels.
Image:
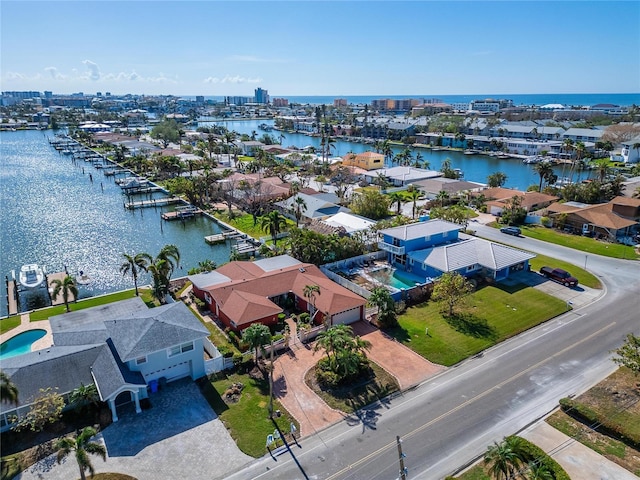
[
  {"x": 64, "y": 368},
  {"x": 83, "y": 327},
  {"x": 110, "y": 373},
  {"x": 154, "y": 330}
]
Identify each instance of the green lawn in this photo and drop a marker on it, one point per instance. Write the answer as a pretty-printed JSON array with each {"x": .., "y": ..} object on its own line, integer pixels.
[
  {"x": 9, "y": 323},
  {"x": 578, "y": 242},
  {"x": 244, "y": 223},
  {"x": 247, "y": 420},
  {"x": 45, "y": 313},
  {"x": 490, "y": 316}
]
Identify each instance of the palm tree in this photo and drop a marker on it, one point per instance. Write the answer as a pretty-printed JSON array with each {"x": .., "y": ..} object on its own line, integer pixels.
[
  {"x": 398, "y": 199},
  {"x": 544, "y": 169},
  {"x": 161, "y": 269},
  {"x": 67, "y": 286},
  {"x": 310, "y": 291},
  {"x": 8, "y": 391},
  {"x": 134, "y": 265},
  {"x": 299, "y": 206},
  {"x": 505, "y": 458},
  {"x": 333, "y": 341},
  {"x": 539, "y": 471},
  {"x": 256, "y": 335},
  {"x": 171, "y": 254},
  {"x": 415, "y": 195},
  {"x": 442, "y": 196},
  {"x": 84, "y": 395},
  {"x": 273, "y": 223},
  {"x": 82, "y": 446}
]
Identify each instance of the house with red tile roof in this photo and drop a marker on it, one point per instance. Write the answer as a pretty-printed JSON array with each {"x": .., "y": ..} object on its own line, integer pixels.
[
  {"x": 241, "y": 293},
  {"x": 618, "y": 218}
]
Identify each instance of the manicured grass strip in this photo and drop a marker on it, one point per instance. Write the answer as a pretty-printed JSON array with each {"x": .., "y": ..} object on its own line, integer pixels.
[
  {"x": 491, "y": 316},
  {"x": 247, "y": 420},
  {"x": 244, "y": 223},
  {"x": 584, "y": 278},
  {"x": 475, "y": 473},
  {"x": 46, "y": 313},
  {"x": 578, "y": 242},
  {"x": 358, "y": 396},
  {"x": 9, "y": 323}
]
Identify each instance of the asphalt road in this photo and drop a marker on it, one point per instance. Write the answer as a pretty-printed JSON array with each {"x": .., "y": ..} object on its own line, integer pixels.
[{"x": 451, "y": 419}]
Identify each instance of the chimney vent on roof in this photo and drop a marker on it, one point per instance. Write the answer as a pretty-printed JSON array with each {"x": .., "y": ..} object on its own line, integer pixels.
[{"x": 302, "y": 269}]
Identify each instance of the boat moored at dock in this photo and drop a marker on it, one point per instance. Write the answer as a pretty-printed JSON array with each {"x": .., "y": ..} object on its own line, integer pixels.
[{"x": 31, "y": 276}]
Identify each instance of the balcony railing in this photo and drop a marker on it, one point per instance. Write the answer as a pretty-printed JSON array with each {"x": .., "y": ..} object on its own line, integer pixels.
[{"x": 391, "y": 248}]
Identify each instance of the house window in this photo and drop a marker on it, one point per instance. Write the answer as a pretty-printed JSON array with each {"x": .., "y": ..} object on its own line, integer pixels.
[
  {"x": 427, "y": 237},
  {"x": 178, "y": 349},
  {"x": 141, "y": 360}
]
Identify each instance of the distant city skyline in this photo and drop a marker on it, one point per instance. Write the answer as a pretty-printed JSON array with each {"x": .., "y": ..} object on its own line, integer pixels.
[{"x": 307, "y": 48}]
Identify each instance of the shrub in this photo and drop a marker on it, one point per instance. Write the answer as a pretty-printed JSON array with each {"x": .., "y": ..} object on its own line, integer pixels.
[
  {"x": 199, "y": 303},
  {"x": 327, "y": 378},
  {"x": 533, "y": 452},
  {"x": 304, "y": 318}
]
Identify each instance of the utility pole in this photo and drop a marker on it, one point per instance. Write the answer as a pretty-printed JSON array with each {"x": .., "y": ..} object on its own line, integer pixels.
[
  {"x": 271, "y": 383},
  {"x": 403, "y": 470}
]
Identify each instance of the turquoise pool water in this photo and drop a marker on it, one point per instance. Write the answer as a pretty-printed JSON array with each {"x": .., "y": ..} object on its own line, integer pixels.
[
  {"x": 20, "y": 344},
  {"x": 390, "y": 277}
]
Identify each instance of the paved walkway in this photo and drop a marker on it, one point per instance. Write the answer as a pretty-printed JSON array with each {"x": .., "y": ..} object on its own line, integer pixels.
[
  {"x": 407, "y": 366},
  {"x": 579, "y": 461},
  {"x": 179, "y": 437}
]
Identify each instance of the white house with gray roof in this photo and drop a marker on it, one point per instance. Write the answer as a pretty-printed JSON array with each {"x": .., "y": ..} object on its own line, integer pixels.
[{"x": 124, "y": 348}]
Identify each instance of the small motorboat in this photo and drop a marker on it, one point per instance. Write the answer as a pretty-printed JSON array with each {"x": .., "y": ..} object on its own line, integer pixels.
[{"x": 31, "y": 276}]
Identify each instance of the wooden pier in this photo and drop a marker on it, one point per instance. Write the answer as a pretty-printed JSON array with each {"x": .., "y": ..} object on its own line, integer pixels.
[
  {"x": 58, "y": 299},
  {"x": 12, "y": 296},
  {"x": 214, "y": 239},
  {"x": 158, "y": 202}
]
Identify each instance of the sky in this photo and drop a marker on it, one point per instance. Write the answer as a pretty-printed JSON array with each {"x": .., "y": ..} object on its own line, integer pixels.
[{"x": 217, "y": 48}]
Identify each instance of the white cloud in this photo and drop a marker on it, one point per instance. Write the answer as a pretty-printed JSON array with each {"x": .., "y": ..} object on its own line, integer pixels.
[
  {"x": 55, "y": 74},
  {"x": 236, "y": 79},
  {"x": 94, "y": 70}
]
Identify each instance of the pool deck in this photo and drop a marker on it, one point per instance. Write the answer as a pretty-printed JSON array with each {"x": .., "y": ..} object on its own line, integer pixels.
[{"x": 26, "y": 325}]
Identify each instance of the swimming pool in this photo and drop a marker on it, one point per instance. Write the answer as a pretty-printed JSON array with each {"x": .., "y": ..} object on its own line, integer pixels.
[
  {"x": 388, "y": 276},
  {"x": 21, "y": 343}
]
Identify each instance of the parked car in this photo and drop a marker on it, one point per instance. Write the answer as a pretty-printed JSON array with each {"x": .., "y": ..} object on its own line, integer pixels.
[
  {"x": 511, "y": 231},
  {"x": 560, "y": 276}
]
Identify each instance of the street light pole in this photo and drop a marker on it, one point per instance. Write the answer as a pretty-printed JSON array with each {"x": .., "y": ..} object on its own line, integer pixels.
[
  {"x": 271, "y": 383},
  {"x": 403, "y": 470}
]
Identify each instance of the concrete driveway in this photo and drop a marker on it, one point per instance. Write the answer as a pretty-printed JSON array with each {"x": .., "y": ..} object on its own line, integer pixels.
[{"x": 179, "y": 437}]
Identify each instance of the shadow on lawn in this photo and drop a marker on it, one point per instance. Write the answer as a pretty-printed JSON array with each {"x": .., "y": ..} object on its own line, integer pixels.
[{"x": 469, "y": 324}]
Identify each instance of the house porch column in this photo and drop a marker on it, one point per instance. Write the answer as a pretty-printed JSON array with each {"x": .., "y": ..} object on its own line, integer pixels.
[
  {"x": 112, "y": 406},
  {"x": 136, "y": 398}
]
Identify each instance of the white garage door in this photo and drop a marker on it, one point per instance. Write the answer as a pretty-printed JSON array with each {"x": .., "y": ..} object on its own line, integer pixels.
[
  {"x": 347, "y": 317},
  {"x": 178, "y": 371}
]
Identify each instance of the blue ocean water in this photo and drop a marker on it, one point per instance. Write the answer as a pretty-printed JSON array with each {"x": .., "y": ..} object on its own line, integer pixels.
[
  {"x": 569, "y": 99},
  {"x": 54, "y": 215}
]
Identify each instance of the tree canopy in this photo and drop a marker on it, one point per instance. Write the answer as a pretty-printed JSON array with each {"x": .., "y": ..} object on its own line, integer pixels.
[
  {"x": 628, "y": 355},
  {"x": 370, "y": 204},
  {"x": 450, "y": 289}
]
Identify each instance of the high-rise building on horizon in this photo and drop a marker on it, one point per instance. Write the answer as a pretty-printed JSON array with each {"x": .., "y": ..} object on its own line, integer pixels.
[{"x": 261, "y": 96}]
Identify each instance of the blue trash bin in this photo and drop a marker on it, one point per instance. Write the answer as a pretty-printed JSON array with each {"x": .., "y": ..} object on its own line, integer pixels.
[{"x": 153, "y": 385}]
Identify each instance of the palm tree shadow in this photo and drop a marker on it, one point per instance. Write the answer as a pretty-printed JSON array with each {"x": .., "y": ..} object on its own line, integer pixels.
[
  {"x": 368, "y": 417},
  {"x": 470, "y": 324}
]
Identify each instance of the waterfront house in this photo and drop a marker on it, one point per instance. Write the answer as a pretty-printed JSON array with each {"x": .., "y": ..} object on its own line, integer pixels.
[
  {"x": 500, "y": 197},
  {"x": 431, "y": 187},
  {"x": 401, "y": 176},
  {"x": 241, "y": 293},
  {"x": 125, "y": 348},
  {"x": 366, "y": 160},
  {"x": 317, "y": 206},
  {"x": 428, "y": 249}
]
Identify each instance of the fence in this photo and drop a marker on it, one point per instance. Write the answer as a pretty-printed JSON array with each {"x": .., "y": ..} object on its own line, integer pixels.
[{"x": 217, "y": 362}]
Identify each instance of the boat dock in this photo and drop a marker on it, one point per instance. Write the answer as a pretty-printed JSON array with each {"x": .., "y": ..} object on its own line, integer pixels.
[
  {"x": 181, "y": 213},
  {"x": 141, "y": 190},
  {"x": 157, "y": 202},
  {"x": 58, "y": 299},
  {"x": 12, "y": 296},
  {"x": 213, "y": 239},
  {"x": 224, "y": 236}
]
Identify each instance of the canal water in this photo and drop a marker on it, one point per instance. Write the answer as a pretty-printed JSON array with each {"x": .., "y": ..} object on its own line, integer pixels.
[
  {"x": 52, "y": 214},
  {"x": 476, "y": 168}
]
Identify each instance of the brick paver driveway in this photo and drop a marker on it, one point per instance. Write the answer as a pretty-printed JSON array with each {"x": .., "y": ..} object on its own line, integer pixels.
[
  {"x": 179, "y": 437},
  {"x": 311, "y": 411}
]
